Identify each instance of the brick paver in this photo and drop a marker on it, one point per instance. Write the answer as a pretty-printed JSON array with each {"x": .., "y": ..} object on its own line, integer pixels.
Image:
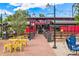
[{"x": 38, "y": 47}]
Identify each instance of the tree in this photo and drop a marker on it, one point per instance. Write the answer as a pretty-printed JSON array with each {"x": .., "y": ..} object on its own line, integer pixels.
[
  {"x": 76, "y": 12},
  {"x": 41, "y": 15},
  {"x": 18, "y": 20},
  {"x": 8, "y": 19},
  {"x": 0, "y": 20},
  {"x": 21, "y": 21}
]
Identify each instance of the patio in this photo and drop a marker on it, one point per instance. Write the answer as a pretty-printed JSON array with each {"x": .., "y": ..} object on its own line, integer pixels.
[{"x": 38, "y": 47}]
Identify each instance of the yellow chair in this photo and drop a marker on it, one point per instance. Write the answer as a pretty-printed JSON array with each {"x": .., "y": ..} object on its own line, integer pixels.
[
  {"x": 7, "y": 46},
  {"x": 12, "y": 40},
  {"x": 24, "y": 42},
  {"x": 17, "y": 45},
  {"x": 14, "y": 44}
]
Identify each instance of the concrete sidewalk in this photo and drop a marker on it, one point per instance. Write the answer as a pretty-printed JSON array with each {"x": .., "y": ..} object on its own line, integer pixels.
[{"x": 39, "y": 46}]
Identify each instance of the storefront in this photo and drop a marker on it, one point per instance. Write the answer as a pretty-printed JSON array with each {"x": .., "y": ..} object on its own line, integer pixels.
[{"x": 41, "y": 23}]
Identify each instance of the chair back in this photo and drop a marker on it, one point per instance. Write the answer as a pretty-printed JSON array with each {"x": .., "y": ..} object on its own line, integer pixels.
[{"x": 71, "y": 41}]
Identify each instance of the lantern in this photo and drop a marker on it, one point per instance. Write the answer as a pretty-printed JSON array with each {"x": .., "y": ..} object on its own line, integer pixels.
[
  {"x": 61, "y": 30},
  {"x": 33, "y": 24},
  {"x": 28, "y": 23}
]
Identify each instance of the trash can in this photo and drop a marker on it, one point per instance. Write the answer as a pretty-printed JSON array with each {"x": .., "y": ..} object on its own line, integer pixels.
[
  {"x": 29, "y": 36},
  {"x": 45, "y": 34},
  {"x": 49, "y": 36},
  {"x": 32, "y": 35}
]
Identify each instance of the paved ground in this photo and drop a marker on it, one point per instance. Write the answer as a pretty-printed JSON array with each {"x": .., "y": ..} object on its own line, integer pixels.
[
  {"x": 38, "y": 47},
  {"x": 62, "y": 49}
]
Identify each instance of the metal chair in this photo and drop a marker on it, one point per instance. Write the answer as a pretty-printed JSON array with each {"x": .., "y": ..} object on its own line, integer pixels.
[{"x": 71, "y": 43}]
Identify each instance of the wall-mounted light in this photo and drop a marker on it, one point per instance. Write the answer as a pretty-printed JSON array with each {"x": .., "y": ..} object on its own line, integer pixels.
[{"x": 28, "y": 23}]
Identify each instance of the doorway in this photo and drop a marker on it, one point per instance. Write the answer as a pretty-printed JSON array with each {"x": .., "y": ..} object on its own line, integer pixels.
[{"x": 40, "y": 28}]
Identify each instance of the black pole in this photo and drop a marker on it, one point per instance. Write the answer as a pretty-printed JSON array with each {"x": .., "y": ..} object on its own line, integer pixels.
[
  {"x": 1, "y": 25},
  {"x": 73, "y": 15},
  {"x": 54, "y": 46},
  {"x": 73, "y": 10}
]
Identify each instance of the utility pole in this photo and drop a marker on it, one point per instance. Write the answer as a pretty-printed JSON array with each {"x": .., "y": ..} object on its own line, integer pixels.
[
  {"x": 73, "y": 9},
  {"x": 73, "y": 15},
  {"x": 1, "y": 25},
  {"x": 54, "y": 37}
]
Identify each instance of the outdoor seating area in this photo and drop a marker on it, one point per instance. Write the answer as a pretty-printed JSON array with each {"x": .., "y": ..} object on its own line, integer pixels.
[
  {"x": 15, "y": 44},
  {"x": 19, "y": 45}
]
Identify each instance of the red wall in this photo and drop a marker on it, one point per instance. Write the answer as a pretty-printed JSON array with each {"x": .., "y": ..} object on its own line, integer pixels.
[{"x": 70, "y": 29}]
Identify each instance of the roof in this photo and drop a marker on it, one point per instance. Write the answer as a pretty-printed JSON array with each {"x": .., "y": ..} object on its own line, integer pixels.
[
  {"x": 65, "y": 21},
  {"x": 51, "y": 18}
]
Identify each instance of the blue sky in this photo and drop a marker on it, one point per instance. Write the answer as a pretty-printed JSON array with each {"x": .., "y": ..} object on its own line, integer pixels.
[{"x": 62, "y": 10}]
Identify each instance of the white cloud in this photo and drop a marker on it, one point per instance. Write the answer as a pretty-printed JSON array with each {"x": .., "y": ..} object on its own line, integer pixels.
[
  {"x": 25, "y": 6},
  {"x": 40, "y": 1},
  {"x": 5, "y": 11},
  {"x": 15, "y": 4}
]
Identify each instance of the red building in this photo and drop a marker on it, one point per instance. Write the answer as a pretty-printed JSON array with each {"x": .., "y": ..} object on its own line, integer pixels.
[{"x": 66, "y": 24}]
